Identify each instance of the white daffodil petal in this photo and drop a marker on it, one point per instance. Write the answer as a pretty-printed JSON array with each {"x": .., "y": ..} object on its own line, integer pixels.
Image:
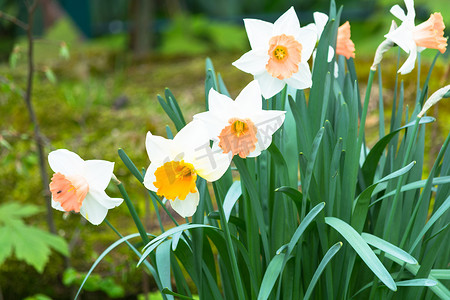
[
  {"x": 410, "y": 62},
  {"x": 213, "y": 122},
  {"x": 150, "y": 177},
  {"x": 287, "y": 24},
  {"x": 403, "y": 37},
  {"x": 258, "y": 32},
  {"x": 302, "y": 79},
  {"x": 398, "y": 12},
  {"x": 410, "y": 12},
  {"x": 65, "y": 162},
  {"x": 269, "y": 85},
  {"x": 98, "y": 173},
  {"x": 249, "y": 99},
  {"x": 267, "y": 122},
  {"x": 330, "y": 53},
  {"x": 253, "y": 62},
  {"x": 218, "y": 103},
  {"x": 321, "y": 20},
  {"x": 212, "y": 164},
  {"x": 56, "y": 205},
  {"x": 187, "y": 207},
  {"x": 101, "y": 197},
  {"x": 158, "y": 148},
  {"x": 93, "y": 211},
  {"x": 308, "y": 39},
  {"x": 191, "y": 138}
]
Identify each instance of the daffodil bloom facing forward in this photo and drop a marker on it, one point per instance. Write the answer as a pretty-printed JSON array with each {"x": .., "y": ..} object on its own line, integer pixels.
[
  {"x": 241, "y": 127},
  {"x": 279, "y": 54},
  {"x": 79, "y": 185},
  {"x": 411, "y": 38},
  {"x": 176, "y": 164}
]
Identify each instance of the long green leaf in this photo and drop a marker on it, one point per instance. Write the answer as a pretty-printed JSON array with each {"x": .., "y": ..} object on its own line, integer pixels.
[
  {"x": 388, "y": 248},
  {"x": 363, "y": 250},
  {"x": 326, "y": 259},
  {"x": 271, "y": 276}
]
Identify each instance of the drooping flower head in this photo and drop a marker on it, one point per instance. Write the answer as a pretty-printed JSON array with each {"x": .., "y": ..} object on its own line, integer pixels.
[
  {"x": 241, "y": 127},
  {"x": 344, "y": 45},
  {"x": 279, "y": 54},
  {"x": 176, "y": 164},
  {"x": 79, "y": 185},
  {"x": 411, "y": 38}
]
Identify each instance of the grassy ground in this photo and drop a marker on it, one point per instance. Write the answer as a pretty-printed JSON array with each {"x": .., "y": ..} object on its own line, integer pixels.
[{"x": 104, "y": 100}]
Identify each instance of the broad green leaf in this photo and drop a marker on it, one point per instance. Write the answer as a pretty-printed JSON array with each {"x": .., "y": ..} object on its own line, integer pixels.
[
  {"x": 363, "y": 250},
  {"x": 388, "y": 248},
  {"x": 326, "y": 259},
  {"x": 271, "y": 276}
]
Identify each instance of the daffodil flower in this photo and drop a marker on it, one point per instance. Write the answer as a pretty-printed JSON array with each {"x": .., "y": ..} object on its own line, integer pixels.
[
  {"x": 413, "y": 39},
  {"x": 241, "y": 127},
  {"x": 279, "y": 54},
  {"x": 175, "y": 165},
  {"x": 79, "y": 185},
  {"x": 344, "y": 45}
]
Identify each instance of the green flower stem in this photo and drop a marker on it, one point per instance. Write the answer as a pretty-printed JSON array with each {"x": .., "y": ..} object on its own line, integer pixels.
[
  {"x": 401, "y": 181},
  {"x": 133, "y": 213},
  {"x": 362, "y": 124},
  {"x": 230, "y": 248}
]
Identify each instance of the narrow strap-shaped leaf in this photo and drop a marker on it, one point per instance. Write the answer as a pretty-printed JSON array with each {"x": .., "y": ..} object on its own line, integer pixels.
[
  {"x": 231, "y": 197},
  {"x": 163, "y": 265},
  {"x": 441, "y": 210},
  {"x": 361, "y": 204},
  {"x": 363, "y": 250},
  {"x": 388, "y": 248},
  {"x": 109, "y": 249},
  {"x": 271, "y": 276},
  {"x": 169, "y": 111},
  {"x": 311, "y": 161},
  {"x": 169, "y": 292},
  {"x": 130, "y": 165},
  {"x": 170, "y": 98},
  {"x": 372, "y": 159},
  {"x": 294, "y": 194},
  {"x": 417, "y": 282},
  {"x": 325, "y": 260}
]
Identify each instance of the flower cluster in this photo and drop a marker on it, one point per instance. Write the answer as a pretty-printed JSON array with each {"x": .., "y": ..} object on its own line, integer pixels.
[{"x": 205, "y": 147}]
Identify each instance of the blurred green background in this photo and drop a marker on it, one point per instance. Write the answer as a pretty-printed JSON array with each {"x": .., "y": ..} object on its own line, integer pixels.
[{"x": 98, "y": 94}]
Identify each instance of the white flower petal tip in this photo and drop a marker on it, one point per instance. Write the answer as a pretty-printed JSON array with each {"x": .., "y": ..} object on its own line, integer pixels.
[
  {"x": 187, "y": 207},
  {"x": 277, "y": 51},
  {"x": 187, "y": 156},
  {"x": 434, "y": 98},
  {"x": 383, "y": 48},
  {"x": 79, "y": 185},
  {"x": 241, "y": 127}
]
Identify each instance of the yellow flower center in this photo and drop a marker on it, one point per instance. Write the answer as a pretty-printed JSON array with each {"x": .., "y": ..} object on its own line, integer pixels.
[
  {"x": 284, "y": 56},
  {"x": 280, "y": 52},
  {"x": 175, "y": 179},
  {"x": 239, "y": 128},
  {"x": 239, "y": 137},
  {"x": 69, "y": 191}
]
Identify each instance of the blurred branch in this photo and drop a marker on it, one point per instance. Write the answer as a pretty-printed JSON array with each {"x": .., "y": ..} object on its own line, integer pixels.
[
  {"x": 13, "y": 20},
  {"x": 39, "y": 140}
]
